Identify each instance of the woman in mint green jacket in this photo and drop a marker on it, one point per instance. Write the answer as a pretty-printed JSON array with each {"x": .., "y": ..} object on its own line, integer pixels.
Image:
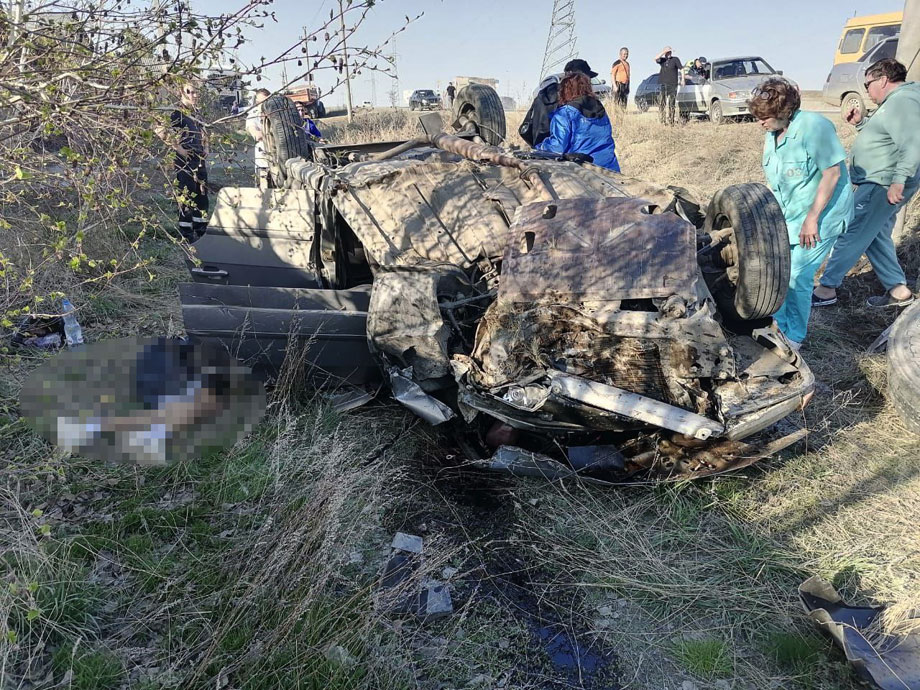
[{"x": 805, "y": 166}]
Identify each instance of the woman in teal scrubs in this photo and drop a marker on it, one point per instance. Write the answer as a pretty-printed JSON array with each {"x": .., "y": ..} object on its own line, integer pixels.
[{"x": 805, "y": 166}]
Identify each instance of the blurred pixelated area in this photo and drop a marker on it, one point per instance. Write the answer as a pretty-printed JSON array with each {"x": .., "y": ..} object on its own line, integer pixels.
[{"x": 146, "y": 401}]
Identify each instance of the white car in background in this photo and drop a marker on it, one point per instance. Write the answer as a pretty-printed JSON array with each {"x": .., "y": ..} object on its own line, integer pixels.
[
  {"x": 725, "y": 94},
  {"x": 600, "y": 87}
]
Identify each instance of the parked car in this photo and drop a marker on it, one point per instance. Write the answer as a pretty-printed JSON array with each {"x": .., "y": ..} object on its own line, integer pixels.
[
  {"x": 724, "y": 95},
  {"x": 599, "y": 86},
  {"x": 424, "y": 99},
  {"x": 844, "y": 86},
  {"x": 577, "y": 319},
  {"x": 646, "y": 94}
]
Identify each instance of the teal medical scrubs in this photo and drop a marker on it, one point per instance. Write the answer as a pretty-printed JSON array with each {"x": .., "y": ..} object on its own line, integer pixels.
[{"x": 793, "y": 170}]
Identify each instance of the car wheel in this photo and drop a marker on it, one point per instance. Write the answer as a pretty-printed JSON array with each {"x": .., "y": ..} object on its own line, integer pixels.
[
  {"x": 715, "y": 113},
  {"x": 904, "y": 367},
  {"x": 851, "y": 100},
  {"x": 642, "y": 105},
  {"x": 478, "y": 107},
  {"x": 747, "y": 269},
  {"x": 282, "y": 128}
]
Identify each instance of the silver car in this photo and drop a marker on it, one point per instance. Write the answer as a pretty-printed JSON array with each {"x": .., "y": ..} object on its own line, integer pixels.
[
  {"x": 844, "y": 85},
  {"x": 726, "y": 92}
]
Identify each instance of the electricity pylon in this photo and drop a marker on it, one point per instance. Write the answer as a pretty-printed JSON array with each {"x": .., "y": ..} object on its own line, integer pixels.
[{"x": 560, "y": 43}]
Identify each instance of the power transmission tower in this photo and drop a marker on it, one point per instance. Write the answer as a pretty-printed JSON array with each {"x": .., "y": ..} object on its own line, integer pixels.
[{"x": 560, "y": 43}]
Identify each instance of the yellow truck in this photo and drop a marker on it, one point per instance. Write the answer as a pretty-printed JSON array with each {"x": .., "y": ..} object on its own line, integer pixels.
[{"x": 860, "y": 34}]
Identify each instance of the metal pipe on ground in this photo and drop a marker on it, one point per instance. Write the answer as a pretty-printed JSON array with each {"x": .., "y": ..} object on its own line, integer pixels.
[{"x": 473, "y": 151}]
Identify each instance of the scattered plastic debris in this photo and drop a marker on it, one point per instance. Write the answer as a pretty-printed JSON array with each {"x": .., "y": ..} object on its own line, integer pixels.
[
  {"x": 891, "y": 662},
  {"x": 72, "y": 330},
  {"x": 407, "y": 542}
]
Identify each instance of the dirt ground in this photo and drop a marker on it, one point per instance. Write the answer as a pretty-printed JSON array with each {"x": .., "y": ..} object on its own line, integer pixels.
[{"x": 259, "y": 567}]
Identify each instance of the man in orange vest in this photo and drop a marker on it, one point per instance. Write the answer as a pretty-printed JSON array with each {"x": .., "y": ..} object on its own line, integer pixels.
[{"x": 619, "y": 78}]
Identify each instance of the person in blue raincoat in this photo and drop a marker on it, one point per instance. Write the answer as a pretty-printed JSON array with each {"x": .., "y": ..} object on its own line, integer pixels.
[
  {"x": 805, "y": 166},
  {"x": 581, "y": 125}
]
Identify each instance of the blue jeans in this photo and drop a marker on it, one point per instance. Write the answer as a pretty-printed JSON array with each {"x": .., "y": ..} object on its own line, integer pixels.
[
  {"x": 792, "y": 316},
  {"x": 870, "y": 234}
]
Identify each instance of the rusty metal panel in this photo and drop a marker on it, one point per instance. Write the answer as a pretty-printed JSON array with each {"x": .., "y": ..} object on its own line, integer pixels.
[
  {"x": 407, "y": 212},
  {"x": 597, "y": 249}
]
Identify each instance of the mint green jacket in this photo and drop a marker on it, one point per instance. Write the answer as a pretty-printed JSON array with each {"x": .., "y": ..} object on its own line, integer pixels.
[{"x": 887, "y": 148}]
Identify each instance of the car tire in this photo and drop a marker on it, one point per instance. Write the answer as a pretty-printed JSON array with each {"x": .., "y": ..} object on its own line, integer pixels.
[
  {"x": 749, "y": 274},
  {"x": 904, "y": 367},
  {"x": 479, "y": 105},
  {"x": 282, "y": 129},
  {"x": 850, "y": 100},
  {"x": 715, "y": 113},
  {"x": 642, "y": 105}
]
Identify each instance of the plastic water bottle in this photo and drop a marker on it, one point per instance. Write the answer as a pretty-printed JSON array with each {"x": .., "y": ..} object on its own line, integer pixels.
[{"x": 72, "y": 330}]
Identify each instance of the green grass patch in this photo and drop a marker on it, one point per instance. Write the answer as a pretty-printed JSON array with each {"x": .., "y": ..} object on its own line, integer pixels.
[
  {"x": 707, "y": 658},
  {"x": 92, "y": 669},
  {"x": 795, "y": 651}
]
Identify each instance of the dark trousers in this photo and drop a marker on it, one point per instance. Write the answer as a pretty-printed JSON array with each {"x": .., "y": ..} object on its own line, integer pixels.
[
  {"x": 192, "y": 195},
  {"x": 621, "y": 95},
  {"x": 667, "y": 98}
]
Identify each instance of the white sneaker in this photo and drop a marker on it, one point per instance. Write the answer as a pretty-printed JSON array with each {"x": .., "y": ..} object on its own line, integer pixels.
[
  {"x": 794, "y": 344},
  {"x": 151, "y": 444},
  {"x": 72, "y": 434}
]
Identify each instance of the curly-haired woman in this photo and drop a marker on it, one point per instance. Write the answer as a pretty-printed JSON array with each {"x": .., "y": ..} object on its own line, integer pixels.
[
  {"x": 581, "y": 125},
  {"x": 805, "y": 166}
]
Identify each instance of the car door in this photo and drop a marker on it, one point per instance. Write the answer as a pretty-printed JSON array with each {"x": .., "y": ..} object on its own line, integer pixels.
[
  {"x": 690, "y": 95},
  {"x": 260, "y": 288}
]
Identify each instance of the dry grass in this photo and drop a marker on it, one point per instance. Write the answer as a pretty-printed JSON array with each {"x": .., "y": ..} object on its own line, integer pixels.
[{"x": 257, "y": 568}]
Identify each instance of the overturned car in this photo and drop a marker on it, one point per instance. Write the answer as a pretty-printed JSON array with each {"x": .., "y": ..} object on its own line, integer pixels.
[{"x": 576, "y": 319}]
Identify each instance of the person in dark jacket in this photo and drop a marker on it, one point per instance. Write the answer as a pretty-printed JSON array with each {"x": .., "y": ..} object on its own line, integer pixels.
[
  {"x": 580, "y": 124},
  {"x": 535, "y": 127},
  {"x": 670, "y": 76},
  {"x": 189, "y": 140}
]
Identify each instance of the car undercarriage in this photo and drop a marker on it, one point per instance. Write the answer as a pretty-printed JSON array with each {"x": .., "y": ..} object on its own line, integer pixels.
[{"x": 563, "y": 318}]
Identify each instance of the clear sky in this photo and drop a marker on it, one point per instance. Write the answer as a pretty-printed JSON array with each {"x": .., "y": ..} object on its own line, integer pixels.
[{"x": 505, "y": 39}]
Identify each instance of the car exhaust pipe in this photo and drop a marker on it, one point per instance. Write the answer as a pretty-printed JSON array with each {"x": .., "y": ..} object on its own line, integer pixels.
[{"x": 475, "y": 152}]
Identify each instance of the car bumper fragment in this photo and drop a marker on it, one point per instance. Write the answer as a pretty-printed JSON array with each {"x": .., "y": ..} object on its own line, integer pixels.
[{"x": 635, "y": 406}]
